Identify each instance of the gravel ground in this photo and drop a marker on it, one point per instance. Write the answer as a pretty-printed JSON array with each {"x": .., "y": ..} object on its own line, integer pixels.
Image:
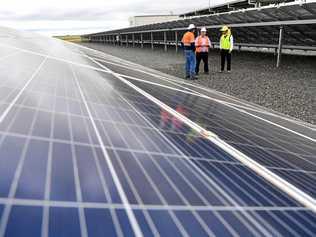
[{"x": 290, "y": 89}]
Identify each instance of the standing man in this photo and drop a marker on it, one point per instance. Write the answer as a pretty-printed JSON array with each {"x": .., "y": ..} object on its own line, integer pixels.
[
  {"x": 226, "y": 48},
  {"x": 202, "y": 45},
  {"x": 188, "y": 43}
]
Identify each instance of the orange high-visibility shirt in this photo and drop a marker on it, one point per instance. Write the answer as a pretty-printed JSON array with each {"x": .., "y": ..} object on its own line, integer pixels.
[
  {"x": 188, "y": 38},
  {"x": 202, "y": 44}
]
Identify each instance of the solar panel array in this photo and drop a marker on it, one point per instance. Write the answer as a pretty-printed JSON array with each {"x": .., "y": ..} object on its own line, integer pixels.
[
  {"x": 233, "y": 5},
  {"x": 258, "y": 26},
  {"x": 91, "y": 145}
]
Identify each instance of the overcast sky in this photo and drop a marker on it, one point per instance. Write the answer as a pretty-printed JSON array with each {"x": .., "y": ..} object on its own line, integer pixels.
[{"x": 56, "y": 17}]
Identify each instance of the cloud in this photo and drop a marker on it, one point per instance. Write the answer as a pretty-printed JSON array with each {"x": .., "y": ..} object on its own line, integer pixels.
[{"x": 81, "y": 15}]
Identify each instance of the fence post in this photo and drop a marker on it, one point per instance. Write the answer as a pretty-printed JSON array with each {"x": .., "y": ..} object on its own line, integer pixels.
[
  {"x": 177, "y": 41},
  {"x": 141, "y": 40},
  {"x": 133, "y": 39},
  {"x": 165, "y": 40},
  {"x": 280, "y": 47}
]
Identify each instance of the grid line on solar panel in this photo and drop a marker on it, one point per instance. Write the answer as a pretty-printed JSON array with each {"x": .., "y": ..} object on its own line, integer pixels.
[{"x": 99, "y": 205}]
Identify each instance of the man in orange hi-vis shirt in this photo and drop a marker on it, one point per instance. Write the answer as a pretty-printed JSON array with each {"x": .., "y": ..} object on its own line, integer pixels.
[
  {"x": 188, "y": 43},
  {"x": 202, "y": 45}
]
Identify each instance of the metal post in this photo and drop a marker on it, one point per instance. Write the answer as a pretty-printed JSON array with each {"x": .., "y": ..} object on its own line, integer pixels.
[
  {"x": 152, "y": 40},
  {"x": 126, "y": 40},
  {"x": 280, "y": 47},
  {"x": 133, "y": 39},
  {"x": 177, "y": 41},
  {"x": 121, "y": 40},
  {"x": 165, "y": 40},
  {"x": 141, "y": 40}
]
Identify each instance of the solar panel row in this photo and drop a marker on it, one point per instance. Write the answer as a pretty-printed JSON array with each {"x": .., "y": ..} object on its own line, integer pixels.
[
  {"x": 73, "y": 137},
  {"x": 258, "y": 26},
  {"x": 273, "y": 147},
  {"x": 291, "y": 11}
]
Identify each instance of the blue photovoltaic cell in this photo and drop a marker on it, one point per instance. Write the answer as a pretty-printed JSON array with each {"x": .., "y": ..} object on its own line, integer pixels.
[
  {"x": 62, "y": 179},
  {"x": 24, "y": 221},
  {"x": 180, "y": 182},
  {"x": 10, "y": 153},
  {"x": 124, "y": 182},
  {"x": 214, "y": 223},
  {"x": 61, "y": 130},
  {"x": 143, "y": 223},
  {"x": 190, "y": 224},
  {"x": 124, "y": 223},
  {"x": 91, "y": 186},
  {"x": 291, "y": 223},
  {"x": 100, "y": 222},
  {"x": 40, "y": 128},
  {"x": 114, "y": 196},
  {"x": 165, "y": 188},
  {"x": 138, "y": 178},
  {"x": 76, "y": 136},
  {"x": 165, "y": 224},
  {"x": 33, "y": 176},
  {"x": 1, "y": 210},
  {"x": 63, "y": 222}
]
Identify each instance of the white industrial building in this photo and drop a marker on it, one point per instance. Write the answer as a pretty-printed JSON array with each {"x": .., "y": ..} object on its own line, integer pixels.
[{"x": 151, "y": 19}]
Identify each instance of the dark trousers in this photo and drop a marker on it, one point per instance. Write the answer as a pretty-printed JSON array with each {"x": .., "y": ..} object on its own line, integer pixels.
[
  {"x": 226, "y": 55},
  {"x": 201, "y": 56}
]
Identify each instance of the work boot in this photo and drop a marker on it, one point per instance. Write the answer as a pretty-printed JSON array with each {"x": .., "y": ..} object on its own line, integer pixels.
[
  {"x": 187, "y": 77},
  {"x": 194, "y": 78}
]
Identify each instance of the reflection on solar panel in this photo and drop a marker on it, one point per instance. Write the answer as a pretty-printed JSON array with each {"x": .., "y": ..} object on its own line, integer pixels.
[{"x": 92, "y": 145}]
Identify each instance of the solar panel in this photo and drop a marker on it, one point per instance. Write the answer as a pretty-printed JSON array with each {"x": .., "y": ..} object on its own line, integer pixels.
[
  {"x": 92, "y": 145},
  {"x": 253, "y": 27}
]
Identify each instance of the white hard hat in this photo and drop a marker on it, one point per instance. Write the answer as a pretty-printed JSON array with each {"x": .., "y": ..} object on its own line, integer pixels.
[
  {"x": 224, "y": 28},
  {"x": 191, "y": 26},
  {"x": 203, "y": 29}
]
